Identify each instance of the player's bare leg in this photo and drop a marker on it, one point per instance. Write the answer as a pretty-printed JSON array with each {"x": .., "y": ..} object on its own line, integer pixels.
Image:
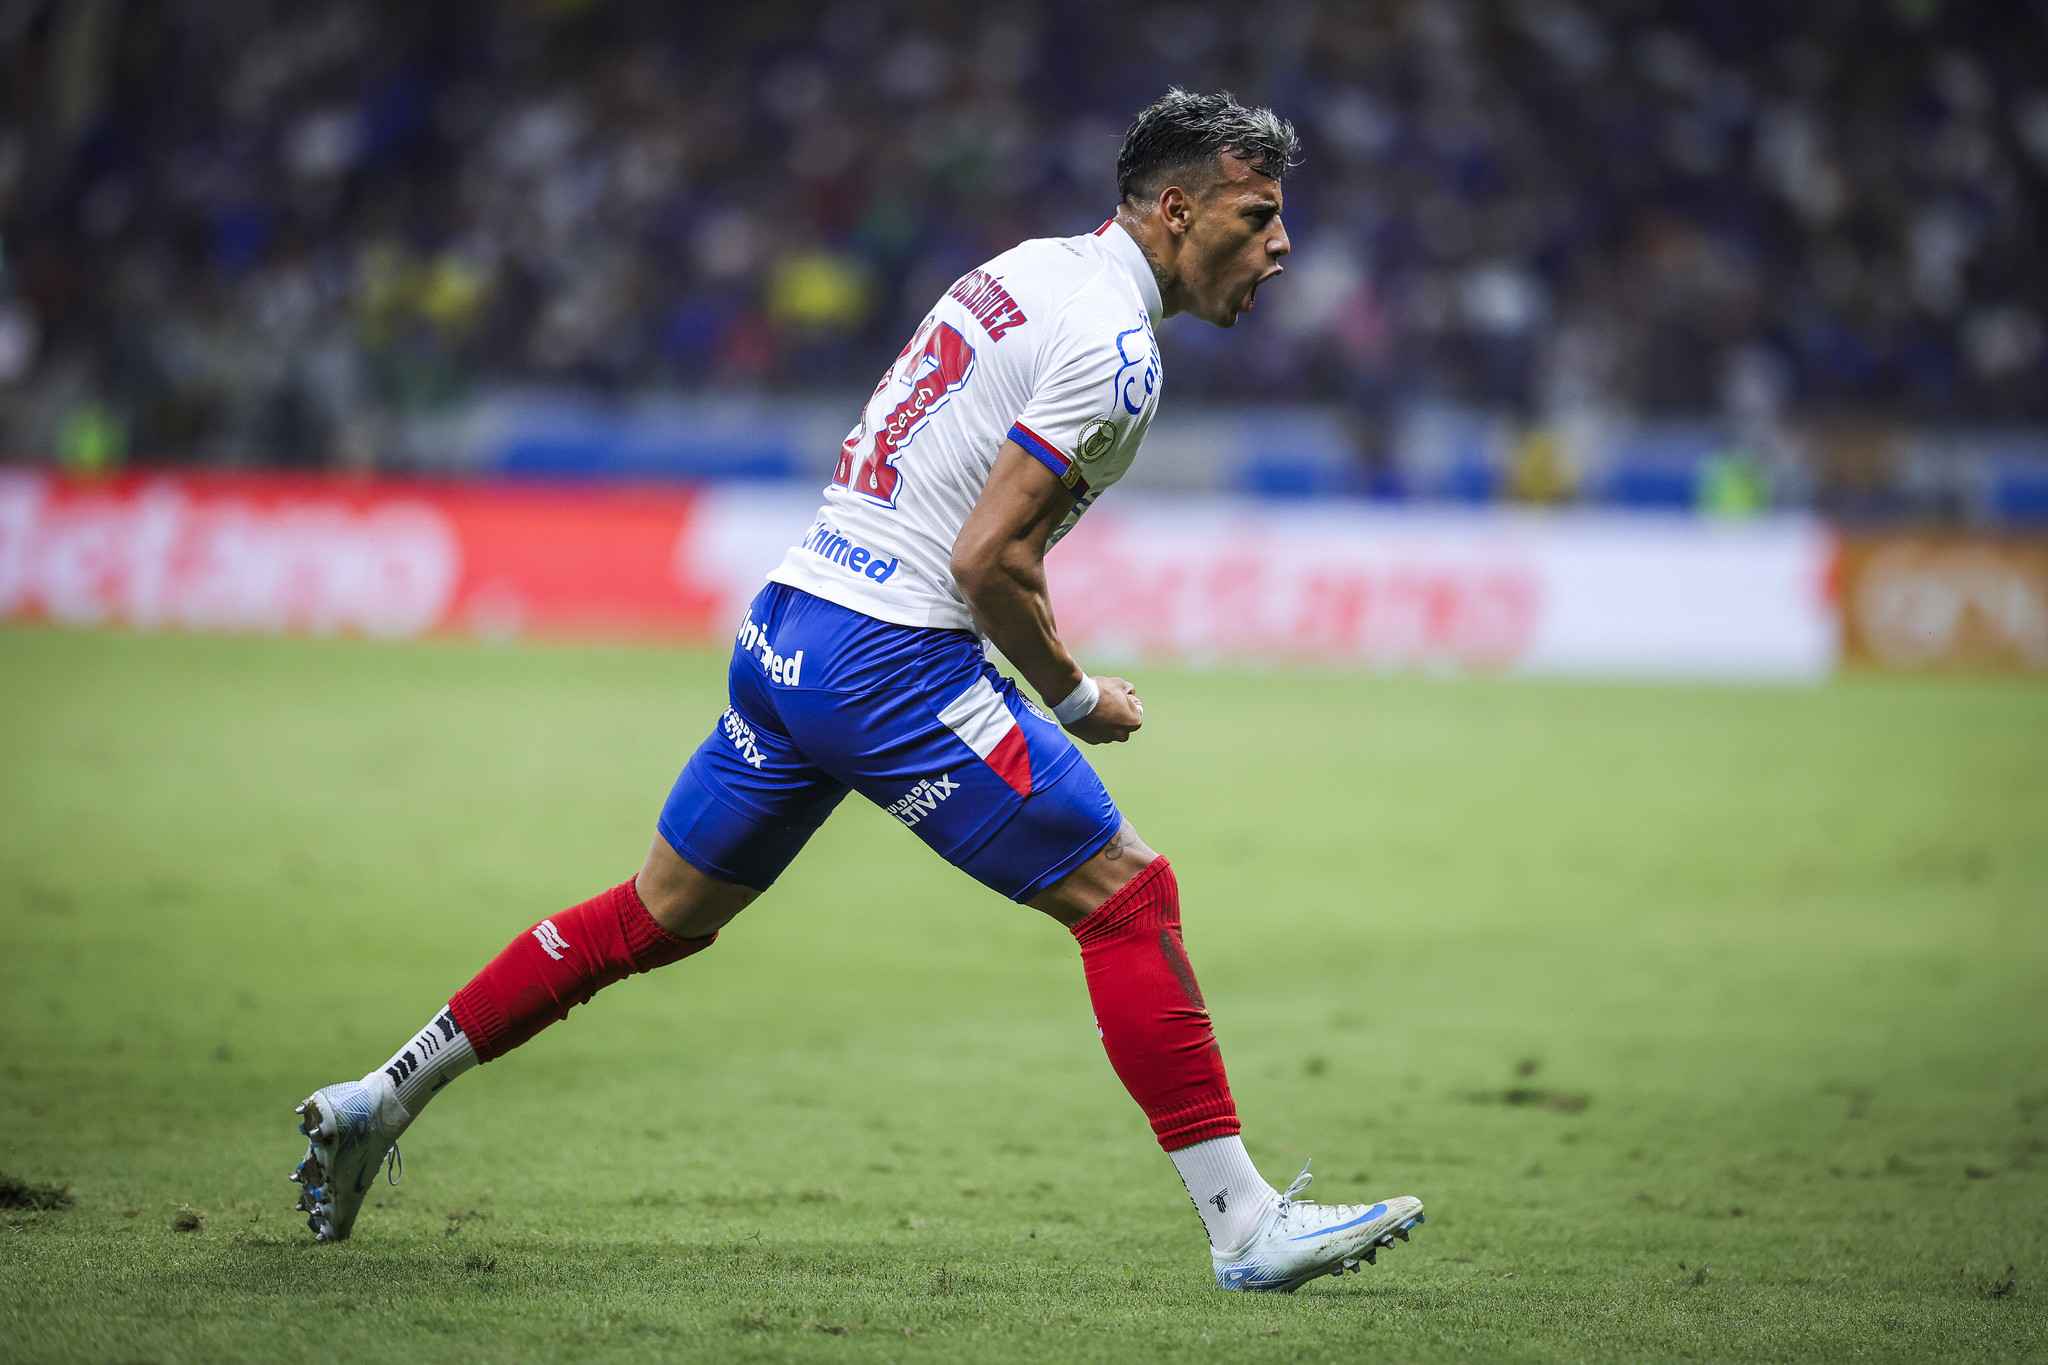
[
  {"x": 683, "y": 900},
  {"x": 1082, "y": 892}
]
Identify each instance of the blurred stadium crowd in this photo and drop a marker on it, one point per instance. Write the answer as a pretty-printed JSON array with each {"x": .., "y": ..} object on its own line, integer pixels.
[{"x": 263, "y": 233}]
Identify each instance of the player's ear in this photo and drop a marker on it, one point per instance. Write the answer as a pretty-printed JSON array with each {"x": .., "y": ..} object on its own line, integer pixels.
[{"x": 1176, "y": 209}]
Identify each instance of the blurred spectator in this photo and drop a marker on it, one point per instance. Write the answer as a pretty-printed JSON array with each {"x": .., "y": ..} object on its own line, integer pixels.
[{"x": 255, "y": 232}]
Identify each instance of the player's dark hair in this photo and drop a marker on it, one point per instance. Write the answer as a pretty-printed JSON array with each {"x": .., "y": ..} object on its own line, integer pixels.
[{"x": 1184, "y": 131}]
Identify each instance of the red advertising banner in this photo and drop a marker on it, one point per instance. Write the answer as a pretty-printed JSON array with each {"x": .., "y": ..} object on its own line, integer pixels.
[
  {"x": 379, "y": 558},
  {"x": 1196, "y": 579}
]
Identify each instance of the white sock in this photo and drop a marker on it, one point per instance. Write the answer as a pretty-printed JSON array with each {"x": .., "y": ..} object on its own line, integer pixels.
[
  {"x": 436, "y": 1055},
  {"x": 1229, "y": 1193}
]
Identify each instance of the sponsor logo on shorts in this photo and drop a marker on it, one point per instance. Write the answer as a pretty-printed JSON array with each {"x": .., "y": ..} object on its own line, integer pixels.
[
  {"x": 551, "y": 940},
  {"x": 785, "y": 669},
  {"x": 922, "y": 799},
  {"x": 742, "y": 736}
]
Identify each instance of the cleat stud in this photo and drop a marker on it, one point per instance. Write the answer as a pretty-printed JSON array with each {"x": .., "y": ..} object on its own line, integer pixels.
[
  {"x": 1402, "y": 1234},
  {"x": 1372, "y": 1255}
]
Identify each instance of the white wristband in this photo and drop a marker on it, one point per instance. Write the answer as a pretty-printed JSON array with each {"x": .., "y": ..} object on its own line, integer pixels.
[{"x": 1079, "y": 702}]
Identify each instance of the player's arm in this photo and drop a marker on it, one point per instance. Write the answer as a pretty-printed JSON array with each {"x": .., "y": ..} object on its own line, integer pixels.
[{"x": 999, "y": 563}]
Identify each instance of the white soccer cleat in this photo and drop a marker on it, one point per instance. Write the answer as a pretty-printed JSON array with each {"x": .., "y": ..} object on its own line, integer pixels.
[
  {"x": 1301, "y": 1240},
  {"x": 350, "y": 1129}
]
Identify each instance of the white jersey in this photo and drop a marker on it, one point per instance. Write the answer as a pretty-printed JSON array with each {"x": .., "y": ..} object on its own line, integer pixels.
[{"x": 1049, "y": 345}]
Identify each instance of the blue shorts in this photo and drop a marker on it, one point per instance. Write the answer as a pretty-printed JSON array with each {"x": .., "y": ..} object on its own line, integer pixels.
[{"x": 824, "y": 699}]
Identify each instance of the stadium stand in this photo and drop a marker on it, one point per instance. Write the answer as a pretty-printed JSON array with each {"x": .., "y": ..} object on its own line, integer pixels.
[{"x": 293, "y": 234}]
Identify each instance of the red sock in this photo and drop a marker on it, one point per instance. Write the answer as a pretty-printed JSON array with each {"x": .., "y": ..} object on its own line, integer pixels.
[
  {"x": 1150, "y": 1012},
  {"x": 560, "y": 962}
]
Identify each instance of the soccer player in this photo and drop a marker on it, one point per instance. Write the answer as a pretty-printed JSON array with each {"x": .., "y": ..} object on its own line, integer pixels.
[{"x": 1023, "y": 394}]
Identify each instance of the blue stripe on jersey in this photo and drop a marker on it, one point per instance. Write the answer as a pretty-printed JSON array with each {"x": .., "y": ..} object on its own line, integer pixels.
[{"x": 1048, "y": 454}]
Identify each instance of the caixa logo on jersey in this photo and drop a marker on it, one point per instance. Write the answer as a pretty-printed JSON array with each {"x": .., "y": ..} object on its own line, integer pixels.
[{"x": 1138, "y": 377}]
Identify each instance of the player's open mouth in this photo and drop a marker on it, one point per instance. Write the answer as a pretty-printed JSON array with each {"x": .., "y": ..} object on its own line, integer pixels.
[{"x": 1251, "y": 294}]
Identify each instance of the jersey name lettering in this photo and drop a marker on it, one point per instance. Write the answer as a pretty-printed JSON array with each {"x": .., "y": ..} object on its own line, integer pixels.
[{"x": 983, "y": 295}]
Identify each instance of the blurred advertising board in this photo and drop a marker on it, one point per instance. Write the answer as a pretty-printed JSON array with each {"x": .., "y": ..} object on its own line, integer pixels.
[
  {"x": 388, "y": 559},
  {"x": 1198, "y": 579},
  {"x": 1592, "y": 594},
  {"x": 1934, "y": 601}
]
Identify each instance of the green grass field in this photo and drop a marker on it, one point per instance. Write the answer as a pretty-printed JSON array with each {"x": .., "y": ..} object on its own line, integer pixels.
[{"x": 1709, "y": 1022}]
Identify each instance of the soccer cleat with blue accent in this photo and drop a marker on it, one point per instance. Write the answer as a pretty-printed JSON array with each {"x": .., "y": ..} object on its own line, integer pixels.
[
  {"x": 1301, "y": 1240},
  {"x": 351, "y": 1129}
]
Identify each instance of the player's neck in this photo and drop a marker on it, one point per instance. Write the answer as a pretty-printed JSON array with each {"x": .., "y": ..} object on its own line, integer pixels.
[{"x": 1161, "y": 252}]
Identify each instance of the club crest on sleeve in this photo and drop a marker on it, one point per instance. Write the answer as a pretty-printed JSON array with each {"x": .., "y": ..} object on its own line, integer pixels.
[{"x": 1098, "y": 438}]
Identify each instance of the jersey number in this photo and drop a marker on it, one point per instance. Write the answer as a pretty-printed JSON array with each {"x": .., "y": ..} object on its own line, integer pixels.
[{"x": 934, "y": 373}]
